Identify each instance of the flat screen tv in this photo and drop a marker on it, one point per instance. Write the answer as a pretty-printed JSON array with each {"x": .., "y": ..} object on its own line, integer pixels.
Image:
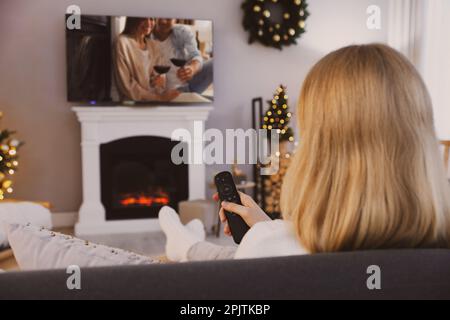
[{"x": 140, "y": 60}]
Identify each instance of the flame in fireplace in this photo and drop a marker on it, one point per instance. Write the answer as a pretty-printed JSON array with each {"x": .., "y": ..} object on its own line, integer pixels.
[{"x": 159, "y": 198}]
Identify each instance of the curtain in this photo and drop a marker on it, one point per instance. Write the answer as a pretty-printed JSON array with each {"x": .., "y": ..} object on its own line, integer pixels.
[{"x": 420, "y": 29}]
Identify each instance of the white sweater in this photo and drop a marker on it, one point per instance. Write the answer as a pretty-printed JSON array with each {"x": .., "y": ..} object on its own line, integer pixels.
[{"x": 270, "y": 239}]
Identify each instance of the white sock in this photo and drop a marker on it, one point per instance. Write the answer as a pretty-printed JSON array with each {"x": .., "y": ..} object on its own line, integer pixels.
[
  {"x": 179, "y": 238},
  {"x": 198, "y": 228}
]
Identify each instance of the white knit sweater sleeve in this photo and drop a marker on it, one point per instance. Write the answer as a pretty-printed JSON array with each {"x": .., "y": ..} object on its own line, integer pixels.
[{"x": 270, "y": 239}]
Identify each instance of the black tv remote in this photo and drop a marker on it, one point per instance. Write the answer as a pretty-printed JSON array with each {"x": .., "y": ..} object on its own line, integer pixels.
[{"x": 228, "y": 192}]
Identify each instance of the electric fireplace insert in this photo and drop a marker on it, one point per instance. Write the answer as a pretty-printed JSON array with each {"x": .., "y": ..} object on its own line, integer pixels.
[{"x": 138, "y": 178}]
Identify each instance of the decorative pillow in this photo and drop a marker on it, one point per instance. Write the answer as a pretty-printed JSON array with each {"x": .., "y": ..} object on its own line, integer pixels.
[
  {"x": 23, "y": 213},
  {"x": 40, "y": 249}
]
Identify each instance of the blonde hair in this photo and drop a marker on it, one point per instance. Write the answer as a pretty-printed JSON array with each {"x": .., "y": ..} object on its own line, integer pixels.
[{"x": 368, "y": 173}]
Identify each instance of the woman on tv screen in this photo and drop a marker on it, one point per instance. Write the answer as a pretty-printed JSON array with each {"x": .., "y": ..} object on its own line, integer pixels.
[{"x": 135, "y": 60}]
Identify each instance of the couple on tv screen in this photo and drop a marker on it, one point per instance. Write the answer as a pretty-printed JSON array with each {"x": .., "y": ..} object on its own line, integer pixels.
[
  {"x": 160, "y": 59},
  {"x": 140, "y": 59}
]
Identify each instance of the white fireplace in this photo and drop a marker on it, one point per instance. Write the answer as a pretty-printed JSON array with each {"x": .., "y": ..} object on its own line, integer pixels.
[{"x": 103, "y": 125}]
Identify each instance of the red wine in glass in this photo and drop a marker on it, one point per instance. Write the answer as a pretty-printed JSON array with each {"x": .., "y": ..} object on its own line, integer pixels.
[
  {"x": 180, "y": 63},
  {"x": 161, "y": 69}
]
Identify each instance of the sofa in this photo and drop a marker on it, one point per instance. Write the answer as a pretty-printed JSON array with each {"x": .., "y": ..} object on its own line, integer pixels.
[{"x": 405, "y": 274}]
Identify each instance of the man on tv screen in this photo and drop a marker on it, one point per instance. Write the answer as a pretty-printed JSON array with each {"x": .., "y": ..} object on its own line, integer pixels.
[{"x": 178, "y": 45}]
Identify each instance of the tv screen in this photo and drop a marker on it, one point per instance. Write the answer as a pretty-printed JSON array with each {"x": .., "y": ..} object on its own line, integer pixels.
[{"x": 118, "y": 59}]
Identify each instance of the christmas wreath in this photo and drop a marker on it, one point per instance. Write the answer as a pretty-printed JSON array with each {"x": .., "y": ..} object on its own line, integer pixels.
[{"x": 275, "y": 23}]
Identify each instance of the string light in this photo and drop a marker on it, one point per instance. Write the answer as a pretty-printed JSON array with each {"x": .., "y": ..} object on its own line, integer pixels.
[
  {"x": 8, "y": 161},
  {"x": 6, "y": 184}
]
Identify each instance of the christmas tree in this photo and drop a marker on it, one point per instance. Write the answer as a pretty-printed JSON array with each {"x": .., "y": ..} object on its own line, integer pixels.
[
  {"x": 8, "y": 160},
  {"x": 277, "y": 117}
]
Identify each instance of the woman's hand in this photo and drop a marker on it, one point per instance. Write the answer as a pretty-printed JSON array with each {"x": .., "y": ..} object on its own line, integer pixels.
[
  {"x": 169, "y": 95},
  {"x": 158, "y": 81},
  {"x": 249, "y": 211}
]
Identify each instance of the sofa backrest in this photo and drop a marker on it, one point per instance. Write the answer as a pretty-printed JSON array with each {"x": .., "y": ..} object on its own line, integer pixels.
[{"x": 404, "y": 274}]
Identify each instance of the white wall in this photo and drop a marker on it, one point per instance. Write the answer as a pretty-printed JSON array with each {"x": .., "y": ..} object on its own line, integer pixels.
[
  {"x": 33, "y": 71},
  {"x": 436, "y": 62}
]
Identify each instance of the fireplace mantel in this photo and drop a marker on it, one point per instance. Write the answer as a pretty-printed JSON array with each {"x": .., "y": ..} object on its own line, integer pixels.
[{"x": 101, "y": 125}]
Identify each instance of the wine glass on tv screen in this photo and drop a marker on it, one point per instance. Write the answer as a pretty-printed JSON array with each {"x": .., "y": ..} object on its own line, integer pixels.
[{"x": 114, "y": 59}]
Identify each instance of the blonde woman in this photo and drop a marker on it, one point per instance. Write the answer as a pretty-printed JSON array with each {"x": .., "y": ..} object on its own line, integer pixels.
[{"x": 367, "y": 174}]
